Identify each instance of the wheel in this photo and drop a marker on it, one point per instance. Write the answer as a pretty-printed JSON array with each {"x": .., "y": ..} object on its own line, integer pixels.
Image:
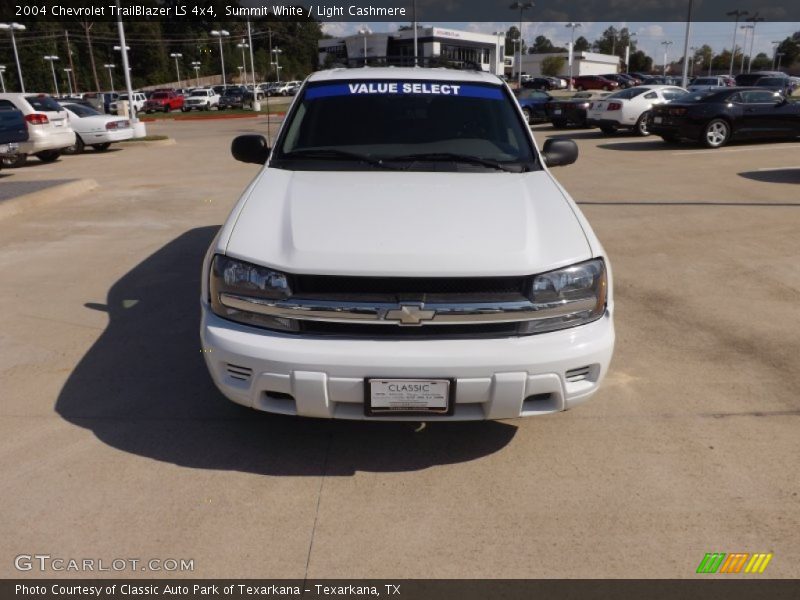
[
  {"x": 76, "y": 148},
  {"x": 102, "y": 147},
  {"x": 579, "y": 88},
  {"x": 207, "y": 107},
  {"x": 184, "y": 110},
  {"x": 606, "y": 88},
  {"x": 527, "y": 114},
  {"x": 167, "y": 109},
  {"x": 641, "y": 125},
  {"x": 48, "y": 155},
  {"x": 608, "y": 129},
  {"x": 716, "y": 133},
  {"x": 559, "y": 124},
  {"x": 15, "y": 161},
  {"x": 670, "y": 138}
]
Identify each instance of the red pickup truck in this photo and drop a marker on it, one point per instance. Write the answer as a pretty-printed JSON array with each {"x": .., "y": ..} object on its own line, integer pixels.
[{"x": 164, "y": 101}]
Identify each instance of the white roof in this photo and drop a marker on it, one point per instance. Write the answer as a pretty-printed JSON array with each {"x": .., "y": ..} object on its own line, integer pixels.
[{"x": 437, "y": 74}]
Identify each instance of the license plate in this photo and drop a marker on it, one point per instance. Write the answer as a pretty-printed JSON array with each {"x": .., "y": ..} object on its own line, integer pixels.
[
  {"x": 58, "y": 123},
  {"x": 404, "y": 396},
  {"x": 657, "y": 119},
  {"x": 557, "y": 111}
]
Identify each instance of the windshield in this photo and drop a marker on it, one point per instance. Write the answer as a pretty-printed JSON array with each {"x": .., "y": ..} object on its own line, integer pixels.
[
  {"x": 705, "y": 81},
  {"x": 394, "y": 120},
  {"x": 628, "y": 94},
  {"x": 43, "y": 103},
  {"x": 159, "y": 96},
  {"x": 82, "y": 111},
  {"x": 200, "y": 93}
]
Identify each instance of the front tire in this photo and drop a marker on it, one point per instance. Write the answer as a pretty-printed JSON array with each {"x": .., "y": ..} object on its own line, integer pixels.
[
  {"x": 48, "y": 155},
  {"x": 716, "y": 133},
  {"x": 76, "y": 148},
  {"x": 15, "y": 161},
  {"x": 642, "y": 126}
]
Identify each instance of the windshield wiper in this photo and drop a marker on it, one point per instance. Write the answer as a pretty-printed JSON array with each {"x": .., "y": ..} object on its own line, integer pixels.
[
  {"x": 454, "y": 157},
  {"x": 334, "y": 154}
]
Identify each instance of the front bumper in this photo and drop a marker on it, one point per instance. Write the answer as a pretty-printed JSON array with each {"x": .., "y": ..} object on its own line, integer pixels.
[{"x": 322, "y": 377}]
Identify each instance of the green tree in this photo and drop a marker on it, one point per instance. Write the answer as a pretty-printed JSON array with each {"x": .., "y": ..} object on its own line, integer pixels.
[
  {"x": 640, "y": 62},
  {"x": 614, "y": 41},
  {"x": 582, "y": 45},
  {"x": 512, "y": 47},
  {"x": 542, "y": 45},
  {"x": 552, "y": 65}
]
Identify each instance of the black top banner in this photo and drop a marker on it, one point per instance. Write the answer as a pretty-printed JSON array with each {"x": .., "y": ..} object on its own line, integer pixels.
[
  {"x": 404, "y": 589},
  {"x": 402, "y": 11}
]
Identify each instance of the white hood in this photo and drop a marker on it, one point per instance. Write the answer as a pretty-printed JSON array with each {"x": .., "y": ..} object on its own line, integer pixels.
[{"x": 406, "y": 224}]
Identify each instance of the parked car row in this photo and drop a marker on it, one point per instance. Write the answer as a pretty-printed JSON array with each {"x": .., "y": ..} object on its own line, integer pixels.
[{"x": 57, "y": 127}]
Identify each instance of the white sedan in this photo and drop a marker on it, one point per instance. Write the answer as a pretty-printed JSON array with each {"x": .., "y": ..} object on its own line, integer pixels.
[
  {"x": 95, "y": 129},
  {"x": 629, "y": 109}
]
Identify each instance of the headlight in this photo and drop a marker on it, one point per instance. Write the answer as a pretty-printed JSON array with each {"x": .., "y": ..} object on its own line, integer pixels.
[
  {"x": 578, "y": 293},
  {"x": 236, "y": 278}
]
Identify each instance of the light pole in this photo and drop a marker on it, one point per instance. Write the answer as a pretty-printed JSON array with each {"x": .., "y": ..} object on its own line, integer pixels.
[
  {"x": 196, "y": 67},
  {"x": 628, "y": 53},
  {"x": 710, "y": 62},
  {"x": 755, "y": 20},
  {"x": 685, "y": 70},
  {"x": 277, "y": 52},
  {"x": 110, "y": 66},
  {"x": 775, "y": 52},
  {"x": 221, "y": 34},
  {"x": 779, "y": 55},
  {"x": 738, "y": 14},
  {"x": 365, "y": 31},
  {"x": 571, "y": 56},
  {"x": 666, "y": 44},
  {"x": 244, "y": 45},
  {"x": 126, "y": 71},
  {"x": 693, "y": 49},
  {"x": 52, "y": 59},
  {"x": 176, "y": 56},
  {"x": 240, "y": 68},
  {"x": 3, "y": 81},
  {"x": 67, "y": 70},
  {"x": 744, "y": 45},
  {"x": 11, "y": 28},
  {"x": 521, "y": 7}
]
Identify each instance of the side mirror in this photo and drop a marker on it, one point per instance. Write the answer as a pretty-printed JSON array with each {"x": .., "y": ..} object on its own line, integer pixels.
[
  {"x": 250, "y": 149},
  {"x": 558, "y": 152}
]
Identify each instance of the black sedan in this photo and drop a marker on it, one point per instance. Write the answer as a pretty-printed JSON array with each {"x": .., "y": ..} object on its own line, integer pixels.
[
  {"x": 716, "y": 117},
  {"x": 564, "y": 112}
]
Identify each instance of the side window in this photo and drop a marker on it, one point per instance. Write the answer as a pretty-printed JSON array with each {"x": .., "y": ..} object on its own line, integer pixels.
[
  {"x": 7, "y": 105},
  {"x": 737, "y": 98},
  {"x": 758, "y": 97},
  {"x": 651, "y": 95}
]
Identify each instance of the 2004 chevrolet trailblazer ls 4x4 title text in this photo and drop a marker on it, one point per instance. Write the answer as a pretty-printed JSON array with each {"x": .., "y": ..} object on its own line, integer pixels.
[{"x": 405, "y": 253}]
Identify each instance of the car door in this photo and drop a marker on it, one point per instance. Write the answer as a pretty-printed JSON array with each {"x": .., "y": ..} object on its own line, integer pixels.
[{"x": 761, "y": 118}]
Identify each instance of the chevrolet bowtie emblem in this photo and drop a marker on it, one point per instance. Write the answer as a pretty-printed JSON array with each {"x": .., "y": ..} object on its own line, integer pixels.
[{"x": 409, "y": 314}]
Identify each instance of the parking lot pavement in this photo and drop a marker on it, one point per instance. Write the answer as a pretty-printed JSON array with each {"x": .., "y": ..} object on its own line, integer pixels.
[{"x": 114, "y": 442}]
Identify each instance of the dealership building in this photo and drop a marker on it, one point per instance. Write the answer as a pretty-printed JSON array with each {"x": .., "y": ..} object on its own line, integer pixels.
[
  {"x": 585, "y": 63},
  {"x": 435, "y": 46}
]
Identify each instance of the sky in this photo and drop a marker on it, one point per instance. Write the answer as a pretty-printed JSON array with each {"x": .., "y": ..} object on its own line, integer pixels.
[{"x": 648, "y": 35}]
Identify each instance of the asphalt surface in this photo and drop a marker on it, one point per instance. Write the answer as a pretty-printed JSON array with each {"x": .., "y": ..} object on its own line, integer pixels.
[{"x": 114, "y": 442}]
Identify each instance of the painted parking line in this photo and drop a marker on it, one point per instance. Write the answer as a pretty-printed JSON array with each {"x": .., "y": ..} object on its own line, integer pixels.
[{"x": 731, "y": 150}]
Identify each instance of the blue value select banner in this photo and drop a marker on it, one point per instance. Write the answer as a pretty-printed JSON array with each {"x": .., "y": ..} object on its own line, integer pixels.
[{"x": 416, "y": 88}]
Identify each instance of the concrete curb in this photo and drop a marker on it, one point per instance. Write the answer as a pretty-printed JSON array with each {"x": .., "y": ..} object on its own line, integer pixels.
[
  {"x": 51, "y": 195},
  {"x": 135, "y": 142}
]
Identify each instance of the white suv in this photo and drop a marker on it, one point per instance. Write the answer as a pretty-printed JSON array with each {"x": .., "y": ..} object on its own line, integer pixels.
[
  {"x": 49, "y": 131},
  {"x": 405, "y": 253},
  {"x": 202, "y": 99},
  {"x": 138, "y": 102}
]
